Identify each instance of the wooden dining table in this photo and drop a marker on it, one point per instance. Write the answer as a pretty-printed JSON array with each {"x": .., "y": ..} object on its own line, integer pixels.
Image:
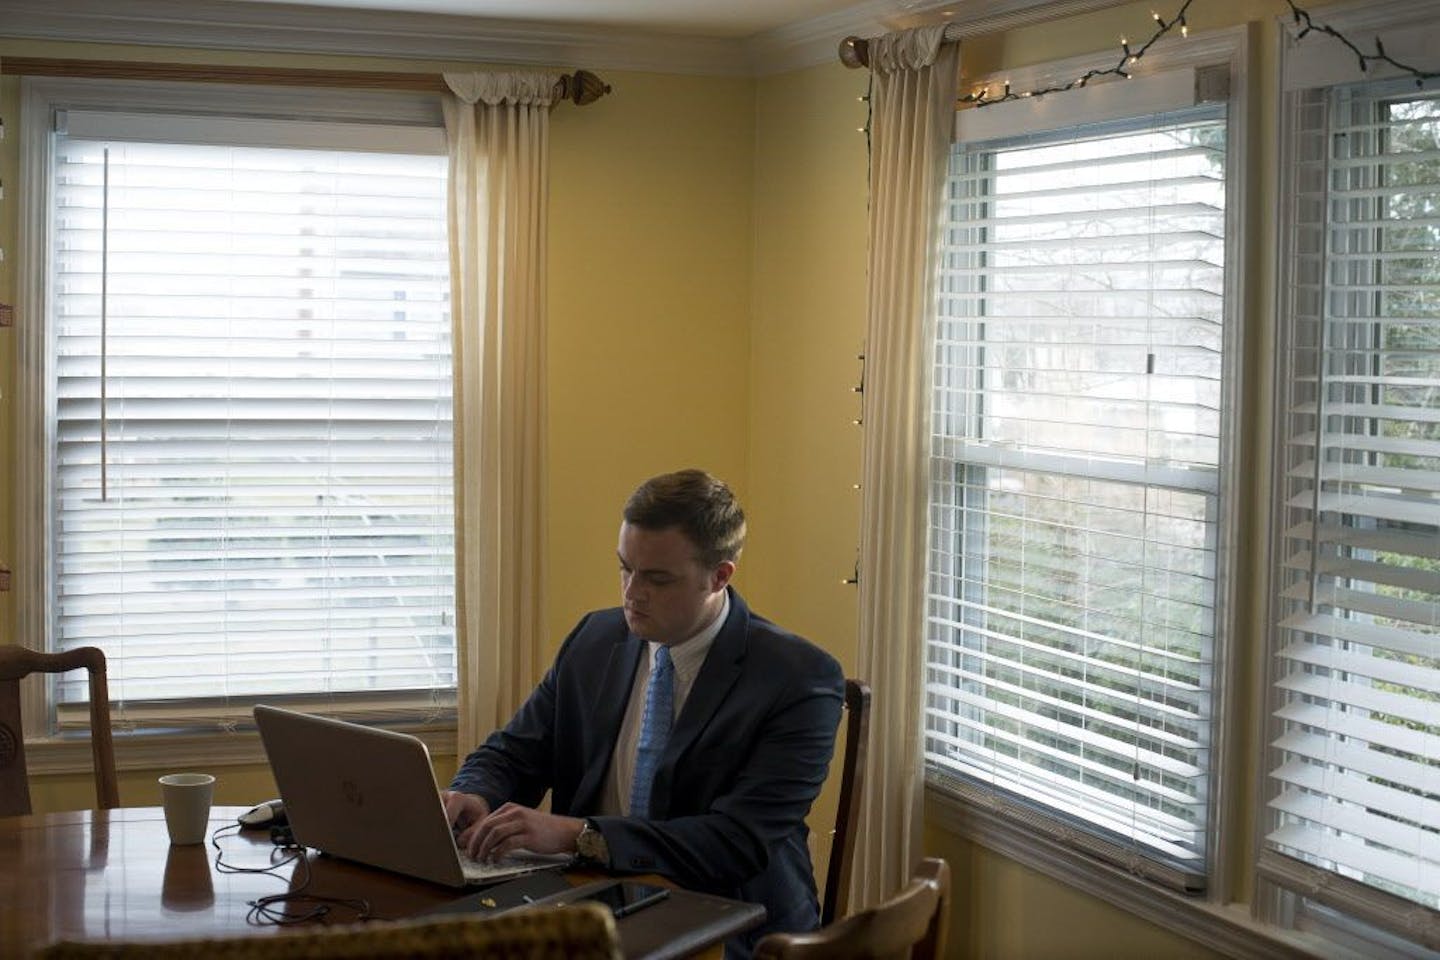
[{"x": 113, "y": 875}]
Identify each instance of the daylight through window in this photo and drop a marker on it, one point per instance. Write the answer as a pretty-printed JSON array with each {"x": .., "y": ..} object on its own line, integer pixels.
[{"x": 252, "y": 415}]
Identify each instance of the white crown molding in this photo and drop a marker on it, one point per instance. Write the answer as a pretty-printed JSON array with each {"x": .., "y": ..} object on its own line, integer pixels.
[
  {"x": 817, "y": 40},
  {"x": 291, "y": 28}
]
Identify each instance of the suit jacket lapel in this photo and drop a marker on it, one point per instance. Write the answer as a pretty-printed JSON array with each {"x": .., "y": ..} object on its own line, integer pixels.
[
  {"x": 615, "y": 687},
  {"x": 717, "y": 675}
]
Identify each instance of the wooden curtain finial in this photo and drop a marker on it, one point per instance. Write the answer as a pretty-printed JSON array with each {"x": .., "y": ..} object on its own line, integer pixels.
[
  {"x": 855, "y": 52},
  {"x": 581, "y": 87}
]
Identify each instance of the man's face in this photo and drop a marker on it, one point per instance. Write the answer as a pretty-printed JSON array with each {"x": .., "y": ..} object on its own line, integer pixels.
[{"x": 667, "y": 593}]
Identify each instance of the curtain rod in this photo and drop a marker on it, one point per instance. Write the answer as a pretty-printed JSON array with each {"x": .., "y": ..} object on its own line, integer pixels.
[
  {"x": 855, "y": 51},
  {"x": 581, "y": 87}
]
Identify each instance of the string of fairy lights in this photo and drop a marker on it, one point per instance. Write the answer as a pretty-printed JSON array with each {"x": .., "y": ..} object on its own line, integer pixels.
[
  {"x": 1131, "y": 54},
  {"x": 854, "y": 52}
]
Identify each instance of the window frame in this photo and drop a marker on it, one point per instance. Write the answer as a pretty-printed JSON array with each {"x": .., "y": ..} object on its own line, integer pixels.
[
  {"x": 964, "y": 461},
  {"x": 40, "y": 98},
  {"x": 1039, "y": 843},
  {"x": 1363, "y": 917}
]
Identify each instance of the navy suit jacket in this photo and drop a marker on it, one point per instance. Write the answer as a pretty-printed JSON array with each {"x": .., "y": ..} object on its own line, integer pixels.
[{"x": 746, "y": 758}]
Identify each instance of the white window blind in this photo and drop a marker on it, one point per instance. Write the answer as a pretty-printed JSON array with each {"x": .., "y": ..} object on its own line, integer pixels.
[
  {"x": 1356, "y": 678},
  {"x": 1075, "y": 491},
  {"x": 252, "y": 485}
]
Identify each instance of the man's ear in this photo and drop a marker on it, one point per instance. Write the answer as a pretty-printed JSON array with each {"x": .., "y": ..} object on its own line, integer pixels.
[{"x": 720, "y": 576}]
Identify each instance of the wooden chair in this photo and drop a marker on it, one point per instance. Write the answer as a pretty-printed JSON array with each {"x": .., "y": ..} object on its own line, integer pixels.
[
  {"x": 18, "y": 662},
  {"x": 912, "y": 923},
  {"x": 574, "y": 932},
  {"x": 847, "y": 815}
]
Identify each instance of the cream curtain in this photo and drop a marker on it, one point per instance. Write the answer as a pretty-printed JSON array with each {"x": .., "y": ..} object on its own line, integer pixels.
[
  {"x": 498, "y": 128},
  {"x": 915, "y": 75}
]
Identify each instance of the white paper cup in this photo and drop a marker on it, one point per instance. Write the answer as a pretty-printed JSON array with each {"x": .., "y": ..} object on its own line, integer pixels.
[{"x": 187, "y": 805}]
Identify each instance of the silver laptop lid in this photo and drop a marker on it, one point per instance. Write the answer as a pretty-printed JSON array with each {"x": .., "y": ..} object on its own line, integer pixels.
[{"x": 360, "y": 793}]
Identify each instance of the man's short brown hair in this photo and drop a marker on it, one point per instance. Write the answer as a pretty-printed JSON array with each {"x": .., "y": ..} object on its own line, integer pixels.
[{"x": 702, "y": 507}]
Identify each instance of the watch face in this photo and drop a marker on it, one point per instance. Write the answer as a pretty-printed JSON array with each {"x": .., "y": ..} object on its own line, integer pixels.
[{"x": 589, "y": 842}]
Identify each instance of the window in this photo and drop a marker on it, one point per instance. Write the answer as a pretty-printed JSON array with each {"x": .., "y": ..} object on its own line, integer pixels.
[
  {"x": 1080, "y": 413},
  {"x": 1354, "y": 773},
  {"x": 249, "y": 411}
]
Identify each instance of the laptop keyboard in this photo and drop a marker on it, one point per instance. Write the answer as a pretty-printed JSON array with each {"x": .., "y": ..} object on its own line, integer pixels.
[{"x": 509, "y": 866}]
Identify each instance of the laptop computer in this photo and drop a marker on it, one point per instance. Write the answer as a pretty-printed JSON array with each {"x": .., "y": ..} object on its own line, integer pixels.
[{"x": 369, "y": 795}]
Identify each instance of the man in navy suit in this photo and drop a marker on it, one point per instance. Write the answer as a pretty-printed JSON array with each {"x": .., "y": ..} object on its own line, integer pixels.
[{"x": 739, "y": 730}]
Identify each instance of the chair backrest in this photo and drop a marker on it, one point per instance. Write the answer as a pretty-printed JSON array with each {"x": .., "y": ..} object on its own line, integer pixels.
[
  {"x": 847, "y": 815},
  {"x": 574, "y": 932},
  {"x": 18, "y": 662},
  {"x": 912, "y": 923}
]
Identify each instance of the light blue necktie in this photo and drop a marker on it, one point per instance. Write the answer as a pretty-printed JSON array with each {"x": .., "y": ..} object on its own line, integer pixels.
[{"x": 654, "y": 731}]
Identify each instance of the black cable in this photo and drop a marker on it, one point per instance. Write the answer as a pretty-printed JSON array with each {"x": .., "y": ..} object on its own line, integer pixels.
[
  {"x": 270, "y": 909},
  {"x": 223, "y": 867},
  {"x": 1308, "y": 25}
]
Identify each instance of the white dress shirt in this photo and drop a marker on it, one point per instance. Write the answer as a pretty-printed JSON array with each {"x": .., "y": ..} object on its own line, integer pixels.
[{"x": 687, "y": 658}]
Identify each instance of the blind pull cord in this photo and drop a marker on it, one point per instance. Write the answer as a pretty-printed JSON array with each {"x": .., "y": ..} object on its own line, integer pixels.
[
  {"x": 1322, "y": 386},
  {"x": 104, "y": 320}
]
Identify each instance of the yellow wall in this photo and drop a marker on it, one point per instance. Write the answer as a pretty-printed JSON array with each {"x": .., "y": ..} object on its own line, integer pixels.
[
  {"x": 809, "y": 328},
  {"x": 9, "y": 173},
  {"x": 1003, "y": 910},
  {"x": 649, "y": 311}
]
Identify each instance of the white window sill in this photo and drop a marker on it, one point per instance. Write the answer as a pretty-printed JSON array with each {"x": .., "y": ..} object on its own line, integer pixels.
[
  {"x": 1227, "y": 929},
  {"x": 60, "y": 755}
]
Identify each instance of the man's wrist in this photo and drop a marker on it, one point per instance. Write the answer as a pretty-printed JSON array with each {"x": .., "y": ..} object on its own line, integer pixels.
[{"x": 590, "y": 844}]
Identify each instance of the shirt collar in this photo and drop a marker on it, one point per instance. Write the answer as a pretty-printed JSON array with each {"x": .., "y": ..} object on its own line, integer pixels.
[{"x": 688, "y": 655}]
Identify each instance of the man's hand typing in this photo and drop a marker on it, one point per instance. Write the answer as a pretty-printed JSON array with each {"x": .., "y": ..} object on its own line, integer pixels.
[
  {"x": 514, "y": 828},
  {"x": 463, "y": 810}
]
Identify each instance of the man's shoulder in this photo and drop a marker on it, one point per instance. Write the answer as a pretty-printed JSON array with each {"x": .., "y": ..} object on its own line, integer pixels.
[{"x": 770, "y": 642}]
